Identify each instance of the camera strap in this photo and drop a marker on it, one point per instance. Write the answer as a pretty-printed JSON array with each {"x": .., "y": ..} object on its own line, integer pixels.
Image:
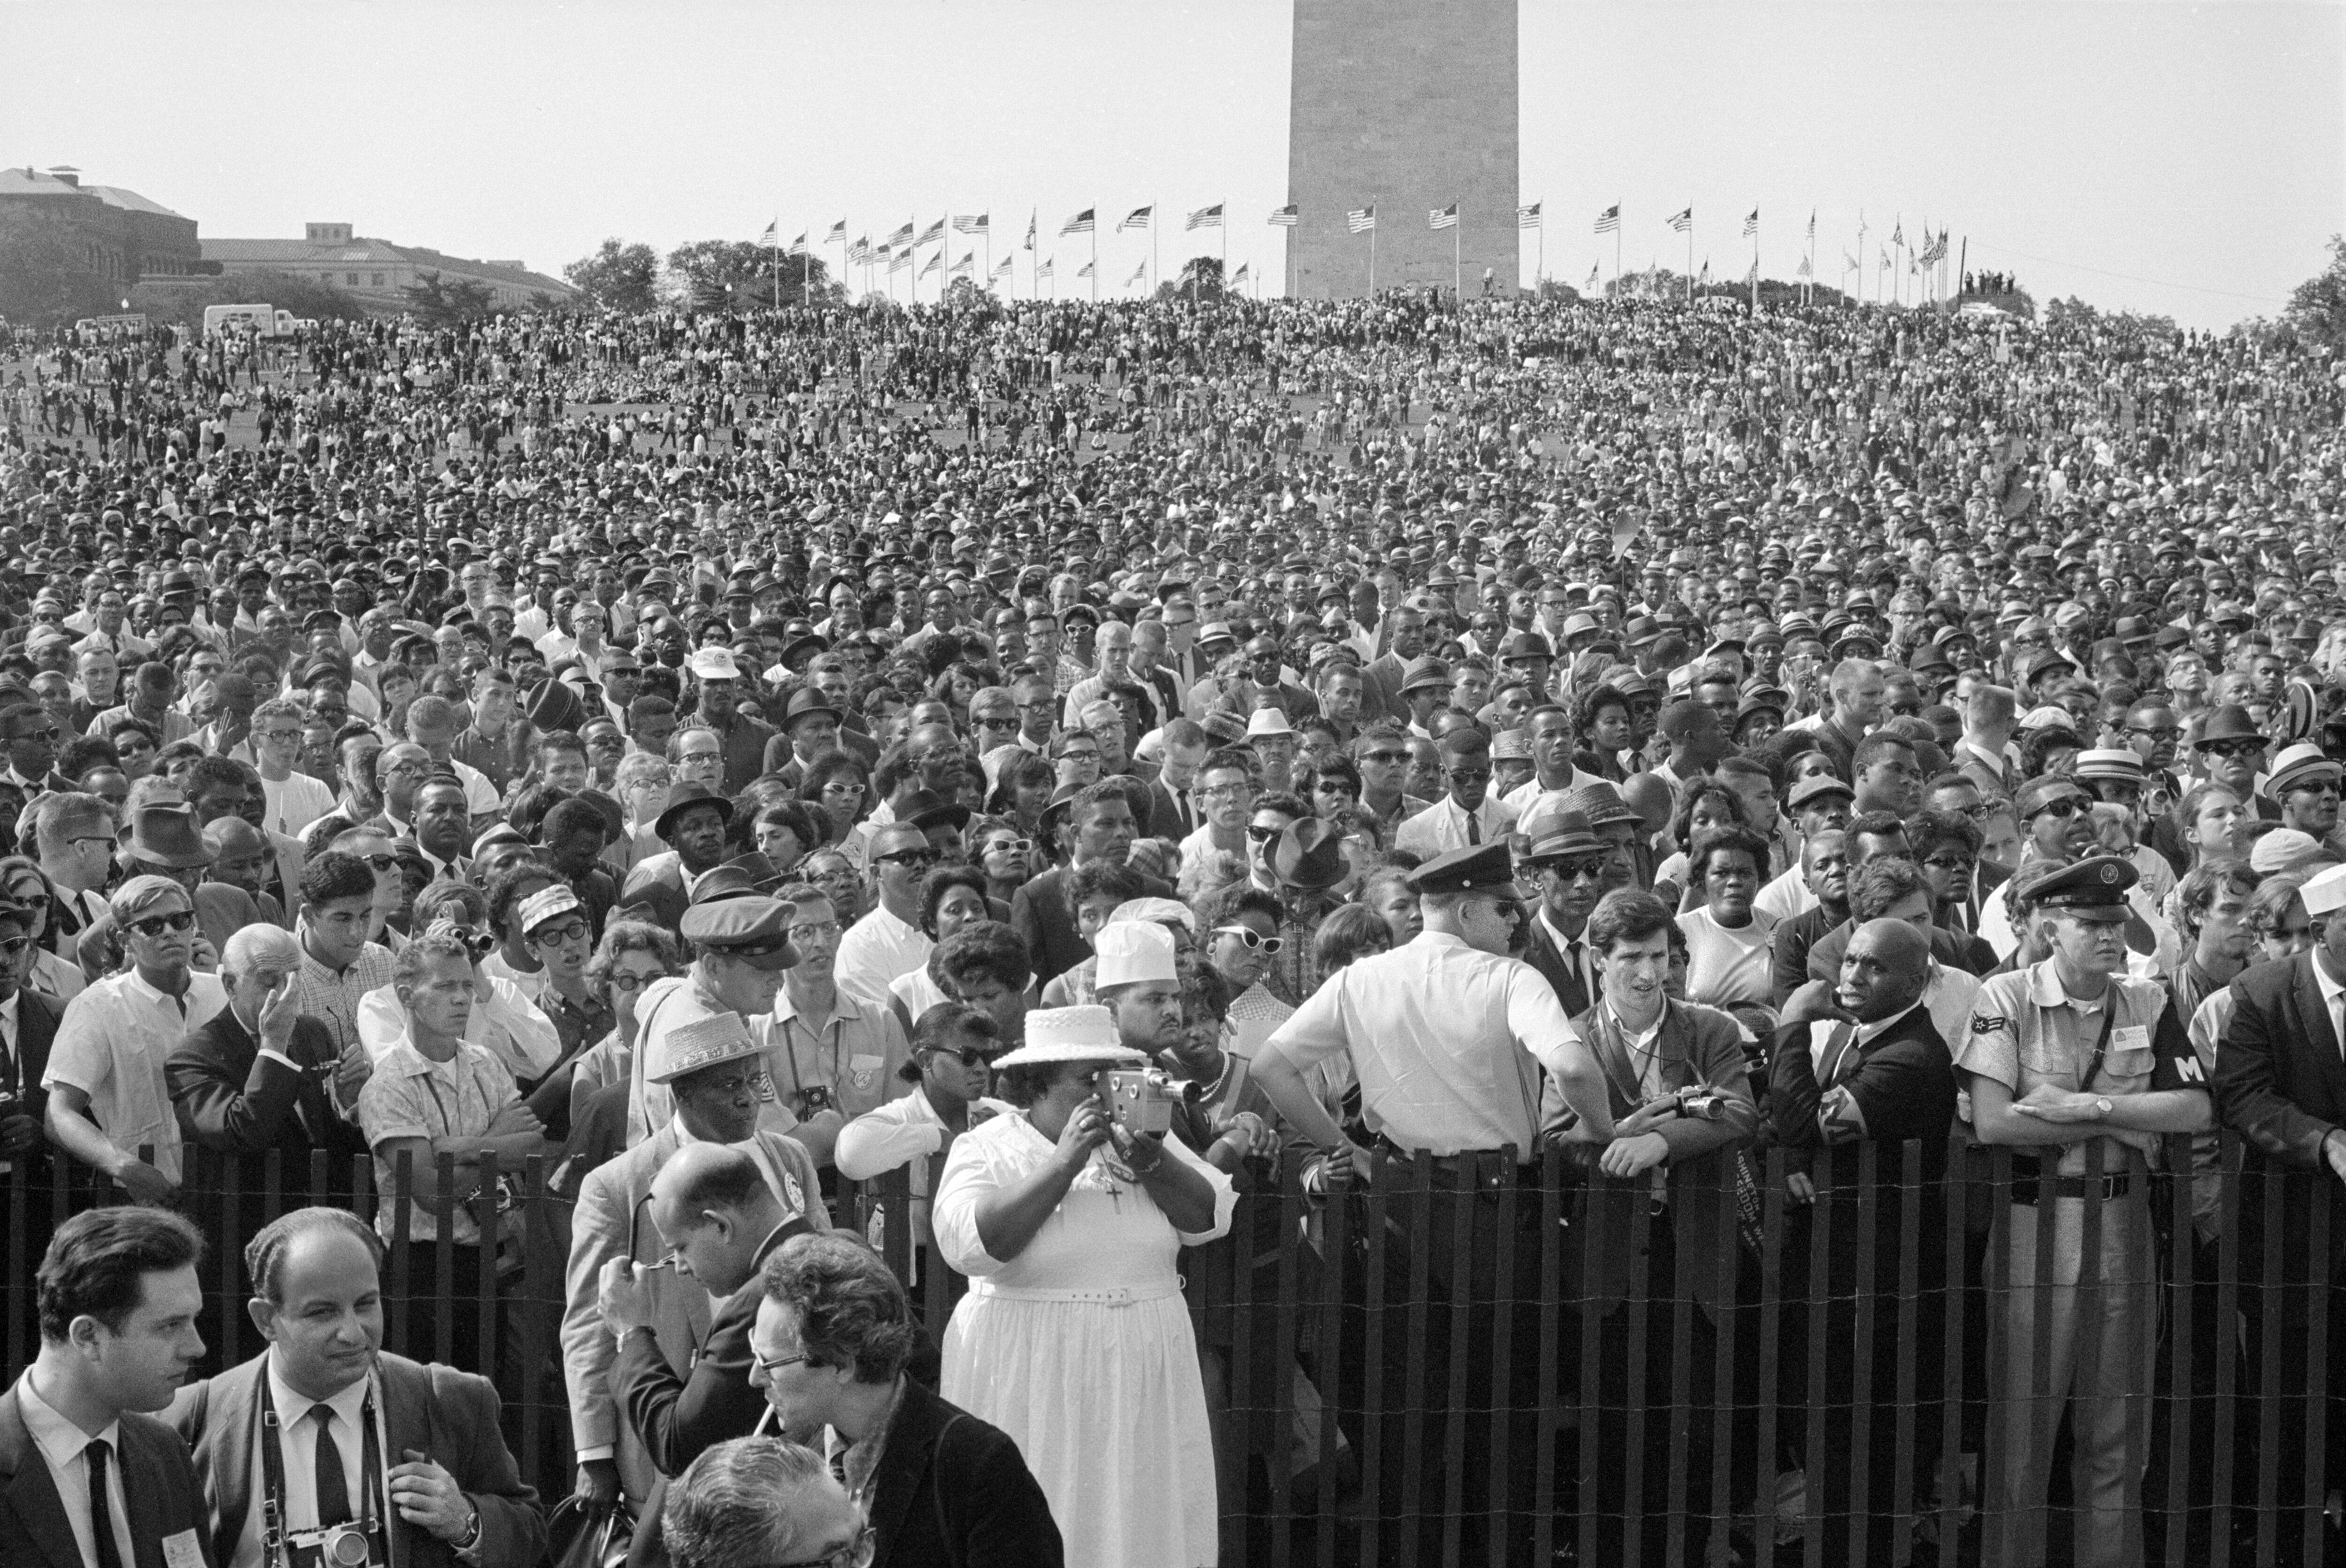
[{"x": 373, "y": 1510}]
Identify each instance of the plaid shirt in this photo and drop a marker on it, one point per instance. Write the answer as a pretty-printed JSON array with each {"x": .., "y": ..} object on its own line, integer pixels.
[{"x": 332, "y": 998}]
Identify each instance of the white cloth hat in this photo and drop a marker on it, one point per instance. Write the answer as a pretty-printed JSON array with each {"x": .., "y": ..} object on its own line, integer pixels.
[
  {"x": 1268, "y": 721},
  {"x": 2326, "y": 894},
  {"x": 1159, "y": 911},
  {"x": 1132, "y": 951},
  {"x": 714, "y": 664},
  {"x": 1085, "y": 1034}
]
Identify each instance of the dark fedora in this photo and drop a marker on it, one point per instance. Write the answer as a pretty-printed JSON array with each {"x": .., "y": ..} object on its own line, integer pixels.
[
  {"x": 682, "y": 795},
  {"x": 807, "y": 702},
  {"x": 923, "y": 810},
  {"x": 167, "y": 836},
  {"x": 1309, "y": 853},
  {"x": 2230, "y": 722}
]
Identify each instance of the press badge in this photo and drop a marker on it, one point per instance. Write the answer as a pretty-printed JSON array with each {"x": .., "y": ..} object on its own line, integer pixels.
[
  {"x": 2130, "y": 1037},
  {"x": 182, "y": 1550},
  {"x": 864, "y": 1071}
]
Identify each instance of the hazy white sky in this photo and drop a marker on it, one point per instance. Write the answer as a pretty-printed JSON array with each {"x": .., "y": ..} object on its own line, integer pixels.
[{"x": 2187, "y": 159}]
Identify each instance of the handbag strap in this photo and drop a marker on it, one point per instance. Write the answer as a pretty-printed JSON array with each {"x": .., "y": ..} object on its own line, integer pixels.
[{"x": 937, "y": 1491}]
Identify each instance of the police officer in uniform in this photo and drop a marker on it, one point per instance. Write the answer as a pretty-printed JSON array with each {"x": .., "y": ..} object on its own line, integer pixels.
[
  {"x": 1448, "y": 1038},
  {"x": 2060, "y": 1057}
]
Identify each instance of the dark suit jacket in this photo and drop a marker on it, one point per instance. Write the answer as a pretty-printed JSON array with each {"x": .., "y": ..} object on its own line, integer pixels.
[
  {"x": 41, "y": 1172},
  {"x": 159, "y": 1485},
  {"x": 1541, "y": 952},
  {"x": 449, "y": 1415},
  {"x": 2281, "y": 1084},
  {"x": 950, "y": 1489},
  {"x": 1165, "y": 819},
  {"x": 1043, "y": 912},
  {"x": 231, "y": 1098},
  {"x": 661, "y": 890},
  {"x": 36, "y": 1029}
]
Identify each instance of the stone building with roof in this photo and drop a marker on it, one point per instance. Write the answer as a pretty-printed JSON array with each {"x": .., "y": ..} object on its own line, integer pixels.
[
  {"x": 375, "y": 272},
  {"x": 122, "y": 236}
]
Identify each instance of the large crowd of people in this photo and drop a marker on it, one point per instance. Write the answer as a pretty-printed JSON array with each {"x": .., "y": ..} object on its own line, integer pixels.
[{"x": 1117, "y": 766}]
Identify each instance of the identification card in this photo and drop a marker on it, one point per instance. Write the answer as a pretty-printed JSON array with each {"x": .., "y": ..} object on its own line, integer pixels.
[
  {"x": 2130, "y": 1037},
  {"x": 183, "y": 1551}
]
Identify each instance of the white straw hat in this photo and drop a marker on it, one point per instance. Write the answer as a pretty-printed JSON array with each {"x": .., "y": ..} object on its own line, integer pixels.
[{"x": 1085, "y": 1034}]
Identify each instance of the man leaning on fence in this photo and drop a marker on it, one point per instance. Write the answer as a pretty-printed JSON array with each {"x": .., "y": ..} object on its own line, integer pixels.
[
  {"x": 1448, "y": 1037},
  {"x": 327, "y": 1435},
  {"x": 2061, "y": 1058},
  {"x": 2281, "y": 1084}
]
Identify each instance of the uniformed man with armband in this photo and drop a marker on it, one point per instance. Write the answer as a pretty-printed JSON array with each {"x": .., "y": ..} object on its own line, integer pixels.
[
  {"x": 1449, "y": 1039},
  {"x": 2060, "y": 1056}
]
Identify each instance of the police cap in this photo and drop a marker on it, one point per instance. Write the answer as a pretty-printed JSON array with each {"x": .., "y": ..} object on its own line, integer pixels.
[
  {"x": 1478, "y": 868},
  {"x": 2093, "y": 888}
]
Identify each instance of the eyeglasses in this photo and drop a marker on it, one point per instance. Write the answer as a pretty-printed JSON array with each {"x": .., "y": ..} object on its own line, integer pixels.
[
  {"x": 1260, "y": 835},
  {"x": 569, "y": 931},
  {"x": 837, "y": 787},
  {"x": 770, "y": 1365},
  {"x": 683, "y": 757},
  {"x": 1255, "y": 941},
  {"x": 1392, "y": 756},
  {"x": 1467, "y": 775},
  {"x": 994, "y": 721},
  {"x": 277, "y": 735},
  {"x": 1009, "y": 846},
  {"x": 1225, "y": 793},
  {"x": 621, "y": 979},
  {"x": 856, "y": 1554},
  {"x": 817, "y": 930},
  {"x": 2067, "y": 806},
  {"x": 156, "y": 925},
  {"x": 910, "y": 860},
  {"x": 1574, "y": 870},
  {"x": 1948, "y": 862}
]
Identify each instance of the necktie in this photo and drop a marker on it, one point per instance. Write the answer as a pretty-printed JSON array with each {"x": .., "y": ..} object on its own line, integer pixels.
[
  {"x": 101, "y": 1511},
  {"x": 1474, "y": 827},
  {"x": 1836, "y": 1052},
  {"x": 334, "y": 1489},
  {"x": 1572, "y": 961}
]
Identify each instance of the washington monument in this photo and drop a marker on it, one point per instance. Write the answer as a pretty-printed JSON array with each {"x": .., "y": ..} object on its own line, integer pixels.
[{"x": 1408, "y": 105}]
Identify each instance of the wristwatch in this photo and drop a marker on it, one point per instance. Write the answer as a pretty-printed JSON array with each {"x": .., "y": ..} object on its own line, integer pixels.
[{"x": 469, "y": 1547}]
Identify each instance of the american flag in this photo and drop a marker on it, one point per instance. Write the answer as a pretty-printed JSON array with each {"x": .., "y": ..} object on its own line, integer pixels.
[
  {"x": 971, "y": 225},
  {"x": 1683, "y": 222},
  {"x": 1849, "y": 263},
  {"x": 1240, "y": 276},
  {"x": 861, "y": 252},
  {"x": 1803, "y": 271},
  {"x": 1886, "y": 258},
  {"x": 1081, "y": 223},
  {"x": 1030, "y": 230},
  {"x": 1283, "y": 216},
  {"x": 934, "y": 262},
  {"x": 934, "y": 232},
  {"x": 1609, "y": 220},
  {"x": 1528, "y": 217},
  {"x": 901, "y": 237},
  {"x": 1136, "y": 218},
  {"x": 1204, "y": 218},
  {"x": 798, "y": 247},
  {"x": 1897, "y": 233},
  {"x": 1138, "y": 274},
  {"x": 962, "y": 267},
  {"x": 1360, "y": 220},
  {"x": 1044, "y": 270},
  {"x": 900, "y": 262},
  {"x": 771, "y": 230},
  {"x": 1442, "y": 217},
  {"x": 1812, "y": 224},
  {"x": 1751, "y": 224},
  {"x": 1592, "y": 278},
  {"x": 838, "y": 235},
  {"x": 1085, "y": 270},
  {"x": 1003, "y": 270}
]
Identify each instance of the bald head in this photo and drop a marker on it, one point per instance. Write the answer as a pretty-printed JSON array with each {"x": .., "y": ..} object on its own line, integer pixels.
[
  {"x": 1884, "y": 970},
  {"x": 713, "y": 1207}
]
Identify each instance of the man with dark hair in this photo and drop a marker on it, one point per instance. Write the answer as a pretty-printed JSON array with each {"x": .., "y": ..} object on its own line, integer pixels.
[
  {"x": 1468, "y": 814},
  {"x": 1042, "y": 912},
  {"x": 338, "y": 966},
  {"x": 833, "y": 1333},
  {"x": 96, "y": 1481},
  {"x": 325, "y": 1432},
  {"x": 1887, "y": 778}
]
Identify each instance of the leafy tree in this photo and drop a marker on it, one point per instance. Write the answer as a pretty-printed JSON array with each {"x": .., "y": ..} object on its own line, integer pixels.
[
  {"x": 183, "y": 299},
  {"x": 739, "y": 274},
  {"x": 440, "y": 301},
  {"x": 1200, "y": 278},
  {"x": 2317, "y": 307},
  {"x": 44, "y": 279},
  {"x": 617, "y": 277}
]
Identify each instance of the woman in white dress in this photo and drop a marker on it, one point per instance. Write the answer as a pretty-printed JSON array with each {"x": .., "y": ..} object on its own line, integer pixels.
[{"x": 1073, "y": 1338}]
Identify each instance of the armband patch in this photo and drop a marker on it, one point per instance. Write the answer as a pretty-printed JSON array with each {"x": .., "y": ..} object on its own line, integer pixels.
[
  {"x": 1989, "y": 1022},
  {"x": 2187, "y": 1068}
]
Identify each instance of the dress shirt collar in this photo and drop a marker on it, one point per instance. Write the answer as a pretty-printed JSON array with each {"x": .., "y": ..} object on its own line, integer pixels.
[
  {"x": 2332, "y": 991},
  {"x": 293, "y": 1408},
  {"x": 61, "y": 1442},
  {"x": 138, "y": 986}
]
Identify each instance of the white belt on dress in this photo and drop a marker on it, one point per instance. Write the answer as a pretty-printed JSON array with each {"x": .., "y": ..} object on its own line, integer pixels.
[{"x": 1107, "y": 1296}]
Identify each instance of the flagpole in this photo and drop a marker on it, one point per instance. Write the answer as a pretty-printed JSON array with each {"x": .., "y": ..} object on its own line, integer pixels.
[
  {"x": 1226, "y": 247},
  {"x": 1457, "y": 291},
  {"x": 1156, "y": 272},
  {"x": 776, "y": 252},
  {"x": 1755, "y": 263},
  {"x": 1616, "y": 252},
  {"x": 1689, "y": 288},
  {"x": 1373, "y": 247},
  {"x": 1095, "y": 255}
]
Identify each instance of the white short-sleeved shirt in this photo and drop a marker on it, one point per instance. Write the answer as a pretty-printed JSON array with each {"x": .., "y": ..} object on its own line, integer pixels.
[
  {"x": 1729, "y": 967},
  {"x": 410, "y": 1096},
  {"x": 111, "y": 1045},
  {"x": 293, "y": 802},
  {"x": 1447, "y": 1043}
]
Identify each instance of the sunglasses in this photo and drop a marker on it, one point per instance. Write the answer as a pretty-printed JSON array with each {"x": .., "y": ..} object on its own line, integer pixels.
[
  {"x": 381, "y": 862},
  {"x": 967, "y": 1055},
  {"x": 2234, "y": 748},
  {"x": 1574, "y": 870},
  {"x": 10, "y": 946},
  {"x": 1255, "y": 941},
  {"x": 910, "y": 860},
  {"x": 1260, "y": 835},
  {"x": 1014, "y": 846},
  {"x": 156, "y": 925},
  {"x": 2067, "y": 806}
]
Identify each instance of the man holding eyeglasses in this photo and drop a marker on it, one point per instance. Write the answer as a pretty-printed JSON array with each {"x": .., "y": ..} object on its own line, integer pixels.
[{"x": 108, "y": 1095}]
